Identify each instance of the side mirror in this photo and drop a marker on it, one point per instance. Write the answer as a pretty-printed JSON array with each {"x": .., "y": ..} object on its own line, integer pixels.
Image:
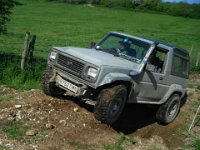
[{"x": 92, "y": 45}]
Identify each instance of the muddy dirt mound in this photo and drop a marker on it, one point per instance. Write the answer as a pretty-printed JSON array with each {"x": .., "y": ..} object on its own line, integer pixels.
[{"x": 68, "y": 123}]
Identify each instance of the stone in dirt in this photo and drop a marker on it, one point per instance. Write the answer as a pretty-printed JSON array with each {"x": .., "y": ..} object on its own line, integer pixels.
[
  {"x": 31, "y": 132},
  {"x": 13, "y": 113},
  {"x": 62, "y": 122},
  {"x": 50, "y": 126},
  {"x": 18, "y": 106},
  {"x": 75, "y": 109}
]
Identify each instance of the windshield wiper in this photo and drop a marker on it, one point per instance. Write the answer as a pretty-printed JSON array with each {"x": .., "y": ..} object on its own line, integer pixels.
[{"x": 128, "y": 57}]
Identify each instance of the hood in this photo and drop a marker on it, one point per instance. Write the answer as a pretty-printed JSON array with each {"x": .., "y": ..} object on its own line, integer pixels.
[{"x": 98, "y": 57}]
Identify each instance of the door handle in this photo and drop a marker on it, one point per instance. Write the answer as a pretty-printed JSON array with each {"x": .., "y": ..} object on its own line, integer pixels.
[{"x": 160, "y": 78}]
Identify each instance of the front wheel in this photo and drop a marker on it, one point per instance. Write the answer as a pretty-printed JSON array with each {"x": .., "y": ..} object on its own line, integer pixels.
[
  {"x": 49, "y": 87},
  {"x": 110, "y": 104},
  {"x": 168, "y": 111}
]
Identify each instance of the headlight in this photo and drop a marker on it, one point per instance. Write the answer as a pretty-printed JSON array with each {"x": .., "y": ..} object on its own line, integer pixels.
[
  {"x": 53, "y": 55},
  {"x": 92, "y": 72}
]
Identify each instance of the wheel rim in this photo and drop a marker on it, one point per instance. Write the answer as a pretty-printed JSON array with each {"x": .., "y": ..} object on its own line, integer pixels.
[
  {"x": 116, "y": 106},
  {"x": 173, "y": 109}
]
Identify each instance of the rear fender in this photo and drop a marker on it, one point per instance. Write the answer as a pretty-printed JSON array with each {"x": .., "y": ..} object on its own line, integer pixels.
[{"x": 174, "y": 88}]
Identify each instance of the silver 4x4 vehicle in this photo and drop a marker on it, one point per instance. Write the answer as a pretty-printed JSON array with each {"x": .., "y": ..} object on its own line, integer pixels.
[{"x": 120, "y": 69}]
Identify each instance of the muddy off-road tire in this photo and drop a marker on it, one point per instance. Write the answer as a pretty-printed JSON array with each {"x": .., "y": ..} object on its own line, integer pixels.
[
  {"x": 168, "y": 111},
  {"x": 49, "y": 88},
  {"x": 110, "y": 104}
]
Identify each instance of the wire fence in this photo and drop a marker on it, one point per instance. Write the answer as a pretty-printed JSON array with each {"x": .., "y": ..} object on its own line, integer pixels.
[{"x": 17, "y": 48}]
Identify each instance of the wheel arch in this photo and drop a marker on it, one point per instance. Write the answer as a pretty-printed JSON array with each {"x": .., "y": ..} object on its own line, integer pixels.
[
  {"x": 113, "y": 79},
  {"x": 128, "y": 85}
]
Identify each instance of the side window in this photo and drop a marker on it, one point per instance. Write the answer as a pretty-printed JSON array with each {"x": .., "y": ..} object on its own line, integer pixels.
[
  {"x": 179, "y": 66},
  {"x": 158, "y": 60}
]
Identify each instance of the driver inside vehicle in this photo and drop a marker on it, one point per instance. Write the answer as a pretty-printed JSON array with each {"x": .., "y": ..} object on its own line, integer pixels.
[
  {"x": 156, "y": 62},
  {"x": 125, "y": 47}
]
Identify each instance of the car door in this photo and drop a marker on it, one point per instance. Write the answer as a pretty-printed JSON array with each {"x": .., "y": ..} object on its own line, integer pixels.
[{"x": 152, "y": 84}]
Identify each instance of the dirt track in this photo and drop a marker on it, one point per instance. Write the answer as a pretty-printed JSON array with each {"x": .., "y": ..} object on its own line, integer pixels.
[{"x": 74, "y": 127}]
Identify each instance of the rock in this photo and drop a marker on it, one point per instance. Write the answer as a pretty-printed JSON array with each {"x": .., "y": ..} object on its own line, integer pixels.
[
  {"x": 31, "y": 132},
  {"x": 13, "y": 113},
  {"x": 33, "y": 90},
  {"x": 75, "y": 109},
  {"x": 4, "y": 89},
  {"x": 62, "y": 122},
  {"x": 18, "y": 97},
  {"x": 11, "y": 119},
  {"x": 18, "y": 106},
  {"x": 8, "y": 145},
  {"x": 50, "y": 126},
  {"x": 18, "y": 115},
  {"x": 84, "y": 125}
]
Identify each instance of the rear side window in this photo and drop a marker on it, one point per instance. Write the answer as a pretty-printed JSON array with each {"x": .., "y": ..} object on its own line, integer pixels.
[{"x": 180, "y": 66}]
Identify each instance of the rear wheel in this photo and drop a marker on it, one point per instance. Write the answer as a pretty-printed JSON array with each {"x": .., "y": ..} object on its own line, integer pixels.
[
  {"x": 110, "y": 104},
  {"x": 49, "y": 87},
  {"x": 168, "y": 111}
]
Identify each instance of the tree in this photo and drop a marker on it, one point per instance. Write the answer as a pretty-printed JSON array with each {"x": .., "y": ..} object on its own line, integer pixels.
[
  {"x": 5, "y": 11},
  {"x": 149, "y": 4}
]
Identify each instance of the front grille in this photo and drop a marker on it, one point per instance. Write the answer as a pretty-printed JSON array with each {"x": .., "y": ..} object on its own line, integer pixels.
[{"x": 71, "y": 64}]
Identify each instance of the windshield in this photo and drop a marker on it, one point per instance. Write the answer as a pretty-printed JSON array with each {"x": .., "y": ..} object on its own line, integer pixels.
[{"x": 125, "y": 47}]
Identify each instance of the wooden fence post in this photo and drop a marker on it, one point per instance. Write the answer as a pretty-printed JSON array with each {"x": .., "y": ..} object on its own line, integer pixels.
[
  {"x": 25, "y": 51},
  {"x": 31, "y": 49}
]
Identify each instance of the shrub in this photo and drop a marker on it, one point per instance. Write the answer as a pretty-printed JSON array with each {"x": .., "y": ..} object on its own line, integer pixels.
[
  {"x": 176, "y": 9},
  {"x": 5, "y": 11}
]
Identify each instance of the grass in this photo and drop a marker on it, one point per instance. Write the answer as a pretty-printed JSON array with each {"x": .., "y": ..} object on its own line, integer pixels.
[
  {"x": 2, "y": 148},
  {"x": 77, "y": 145},
  {"x": 14, "y": 130},
  {"x": 198, "y": 120},
  {"x": 77, "y": 25},
  {"x": 120, "y": 143},
  {"x": 197, "y": 144},
  {"x": 194, "y": 146},
  {"x": 58, "y": 24},
  {"x": 14, "y": 77},
  {"x": 10, "y": 97},
  {"x": 195, "y": 86}
]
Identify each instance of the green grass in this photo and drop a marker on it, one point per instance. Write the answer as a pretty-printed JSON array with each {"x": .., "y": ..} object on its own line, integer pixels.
[
  {"x": 197, "y": 144},
  {"x": 17, "y": 130},
  {"x": 10, "y": 97},
  {"x": 120, "y": 143},
  {"x": 14, "y": 130},
  {"x": 195, "y": 86},
  {"x": 2, "y": 148},
  {"x": 14, "y": 77},
  {"x": 58, "y": 24},
  {"x": 194, "y": 146}
]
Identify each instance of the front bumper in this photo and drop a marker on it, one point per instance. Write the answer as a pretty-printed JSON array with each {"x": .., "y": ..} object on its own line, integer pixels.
[{"x": 82, "y": 88}]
